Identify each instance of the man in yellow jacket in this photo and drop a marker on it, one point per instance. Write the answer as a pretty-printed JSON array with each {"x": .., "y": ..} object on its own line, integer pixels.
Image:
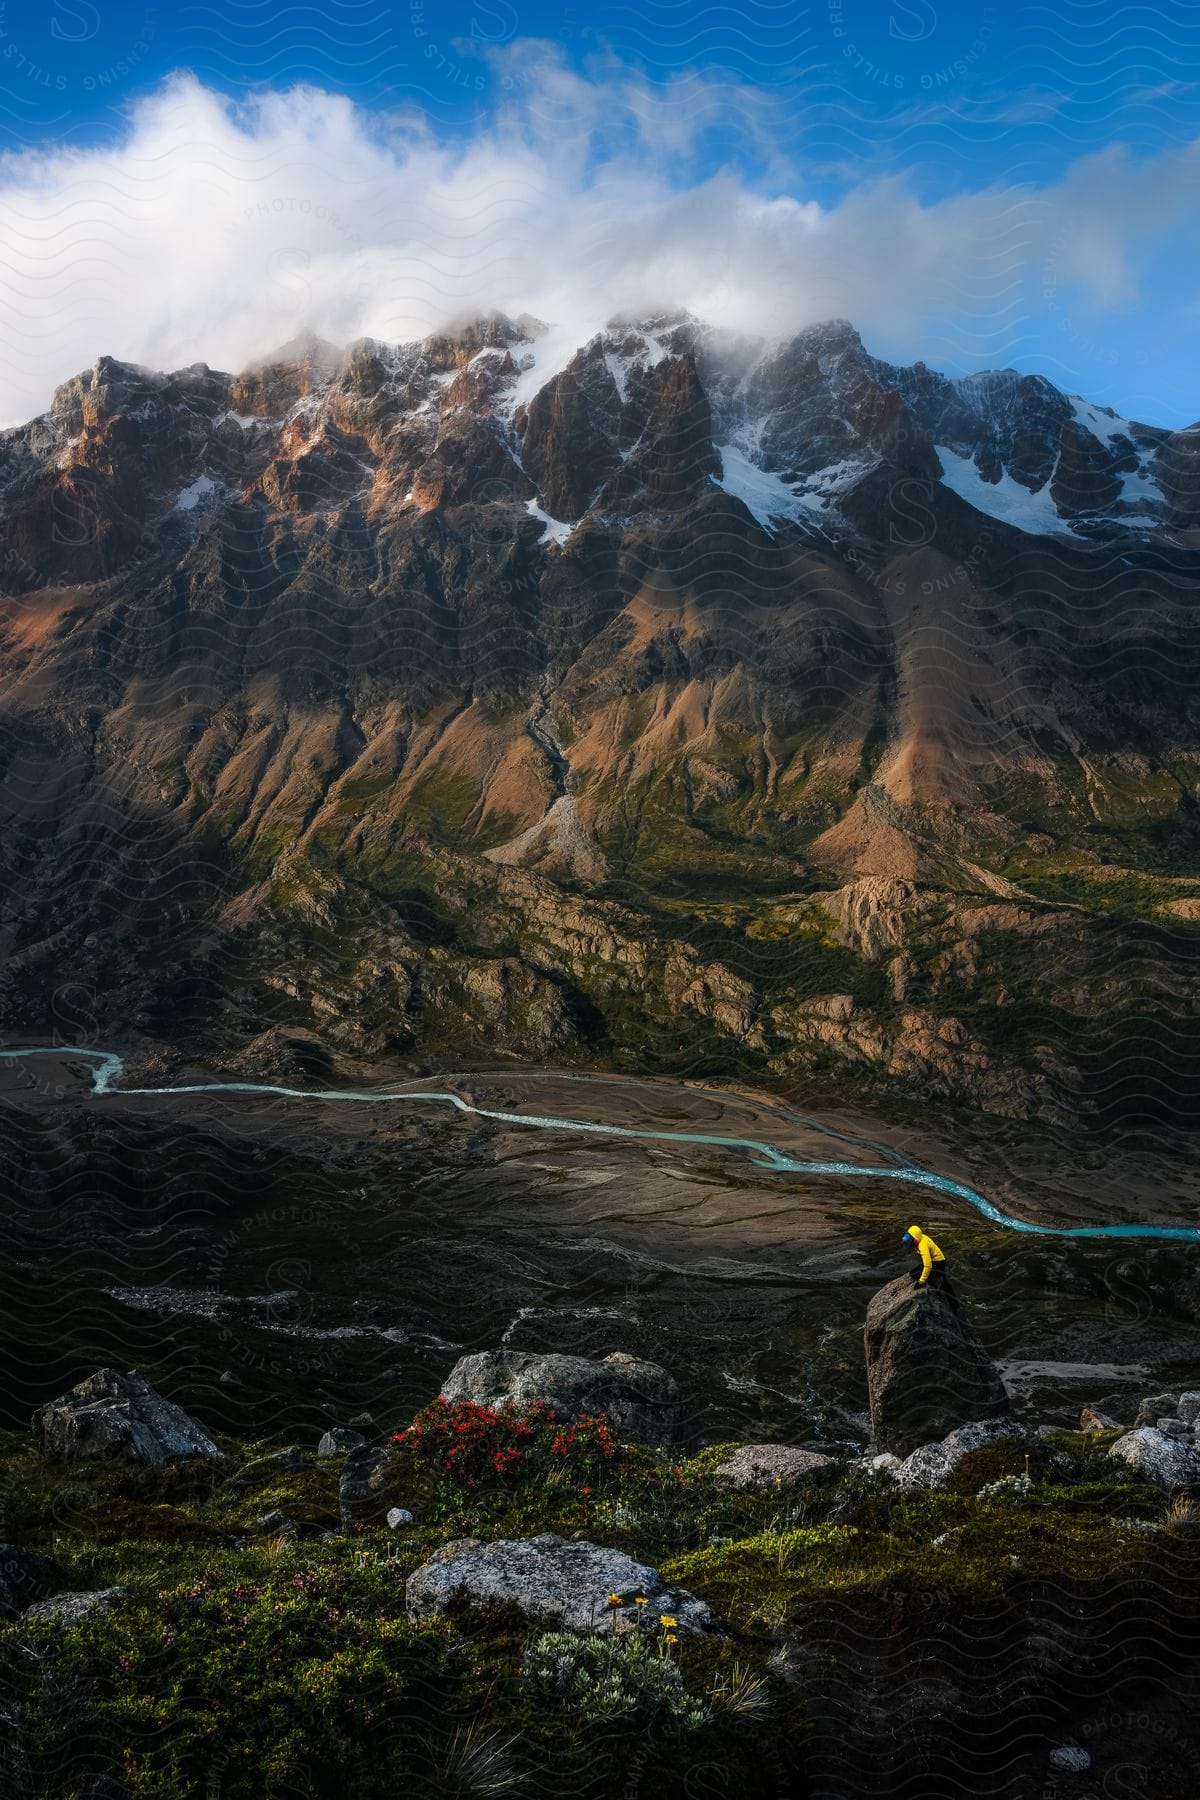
[{"x": 933, "y": 1261}]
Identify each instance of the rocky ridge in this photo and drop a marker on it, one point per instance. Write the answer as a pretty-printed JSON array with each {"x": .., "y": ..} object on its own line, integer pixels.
[{"x": 427, "y": 694}]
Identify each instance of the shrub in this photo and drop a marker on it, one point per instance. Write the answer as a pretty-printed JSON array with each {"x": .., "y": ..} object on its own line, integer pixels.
[
  {"x": 629, "y": 1678},
  {"x": 483, "y": 1446},
  {"x": 286, "y": 1672}
]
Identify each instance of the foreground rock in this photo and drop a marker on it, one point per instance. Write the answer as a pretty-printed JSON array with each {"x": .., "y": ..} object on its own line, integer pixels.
[
  {"x": 25, "y": 1577},
  {"x": 640, "y": 1400},
  {"x": 338, "y": 1440},
  {"x": 926, "y": 1370},
  {"x": 765, "y": 1465},
  {"x": 932, "y": 1465},
  {"x": 364, "y": 1477},
  {"x": 1164, "y": 1460},
  {"x": 69, "y": 1609},
  {"x": 118, "y": 1415},
  {"x": 554, "y": 1580}
]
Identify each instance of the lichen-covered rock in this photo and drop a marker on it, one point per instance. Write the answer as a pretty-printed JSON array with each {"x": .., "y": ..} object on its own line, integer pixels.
[
  {"x": 640, "y": 1400},
  {"x": 338, "y": 1440},
  {"x": 1165, "y": 1461},
  {"x": 932, "y": 1465},
  {"x": 1153, "y": 1407},
  {"x": 25, "y": 1577},
  {"x": 764, "y": 1465},
  {"x": 1189, "y": 1408},
  {"x": 364, "y": 1477},
  {"x": 1070, "y": 1758},
  {"x": 1091, "y": 1420},
  {"x": 114, "y": 1414},
  {"x": 927, "y": 1372},
  {"x": 563, "y": 1582},
  {"x": 1173, "y": 1428},
  {"x": 69, "y": 1609}
]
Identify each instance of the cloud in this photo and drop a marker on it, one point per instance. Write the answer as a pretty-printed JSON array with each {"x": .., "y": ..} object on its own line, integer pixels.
[{"x": 214, "y": 230}]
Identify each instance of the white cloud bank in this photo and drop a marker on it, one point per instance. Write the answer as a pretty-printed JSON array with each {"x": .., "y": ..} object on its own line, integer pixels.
[{"x": 214, "y": 231}]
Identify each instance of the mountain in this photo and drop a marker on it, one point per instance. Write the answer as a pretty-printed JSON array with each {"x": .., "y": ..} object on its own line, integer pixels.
[{"x": 693, "y": 703}]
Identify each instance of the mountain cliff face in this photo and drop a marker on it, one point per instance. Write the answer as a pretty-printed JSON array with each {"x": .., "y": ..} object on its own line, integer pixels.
[{"x": 701, "y": 704}]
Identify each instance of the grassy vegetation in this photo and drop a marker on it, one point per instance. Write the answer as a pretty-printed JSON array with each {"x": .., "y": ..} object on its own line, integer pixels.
[{"x": 269, "y": 1662}]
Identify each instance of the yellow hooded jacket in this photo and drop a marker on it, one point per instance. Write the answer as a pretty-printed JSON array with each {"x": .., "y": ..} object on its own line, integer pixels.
[{"x": 929, "y": 1251}]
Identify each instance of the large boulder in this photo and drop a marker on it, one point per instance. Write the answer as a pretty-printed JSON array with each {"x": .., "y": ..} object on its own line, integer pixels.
[
  {"x": 932, "y": 1465},
  {"x": 112, "y": 1414},
  {"x": 25, "y": 1576},
  {"x": 1165, "y": 1461},
  {"x": 926, "y": 1370},
  {"x": 554, "y": 1580},
  {"x": 640, "y": 1400}
]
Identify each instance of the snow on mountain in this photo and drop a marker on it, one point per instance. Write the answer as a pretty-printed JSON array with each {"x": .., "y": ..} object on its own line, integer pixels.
[
  {"x": 198, "y": 493},
  {"x": 1004, "y": 499},
  {"x": 1099, "y": 420},
  {"x": 1137, "y": 486},
  {"x": 766, "y": 495},
  {"x": 557, "y": 530}
]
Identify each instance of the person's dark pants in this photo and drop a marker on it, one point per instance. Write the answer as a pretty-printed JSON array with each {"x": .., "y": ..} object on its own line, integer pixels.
[{"x": 938, "y": 1278}]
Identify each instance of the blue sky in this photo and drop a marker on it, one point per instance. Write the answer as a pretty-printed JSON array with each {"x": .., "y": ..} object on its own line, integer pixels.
[{"x": 976, "y": 184}]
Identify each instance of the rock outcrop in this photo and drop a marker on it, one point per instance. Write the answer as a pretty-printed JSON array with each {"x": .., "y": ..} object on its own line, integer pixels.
[
  {"x": 927, "y": 1372},
  {"x": 364, "y": 1477},
  {"x": 338, "y": 1440},
  {"x": 559, "y": 1582},
  {"x": 114, "y": 1414},
  {"x": 932, "y": 1465},
  {"x": 69, "y": 1609},
  {"x": 640, "y": 1400},
  {"x": 768, "y": 1465},
  {"x": 1166, "y": 1461}
]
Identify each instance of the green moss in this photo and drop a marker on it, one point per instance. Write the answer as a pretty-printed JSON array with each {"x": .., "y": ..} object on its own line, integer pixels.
[{"x": 280, "y": 1664}]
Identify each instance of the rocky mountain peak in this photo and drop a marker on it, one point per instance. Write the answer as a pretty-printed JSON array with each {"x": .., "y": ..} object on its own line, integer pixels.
[
  {"x": 463, "y": 340},
  {"x": 809, "y": 433}
]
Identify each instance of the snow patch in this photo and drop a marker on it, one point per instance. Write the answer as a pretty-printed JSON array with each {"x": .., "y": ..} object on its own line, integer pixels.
[
  {"x": 1137, "y": 485},
  {"x": 537, "y": 363},
  {"x": 199, "y": 493},
  {"x": 828, "y": 484},
  {"x": 1005, "y": 499},
  {"x": 618, "y": 369},
  {"x": 767, "y": 496},
  {"x": 557, "y": 530},
  {"x": 1102, "y": 423}
]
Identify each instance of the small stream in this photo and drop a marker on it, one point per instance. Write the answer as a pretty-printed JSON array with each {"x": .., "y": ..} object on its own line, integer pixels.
[{"x": 108, "y": 1067}]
